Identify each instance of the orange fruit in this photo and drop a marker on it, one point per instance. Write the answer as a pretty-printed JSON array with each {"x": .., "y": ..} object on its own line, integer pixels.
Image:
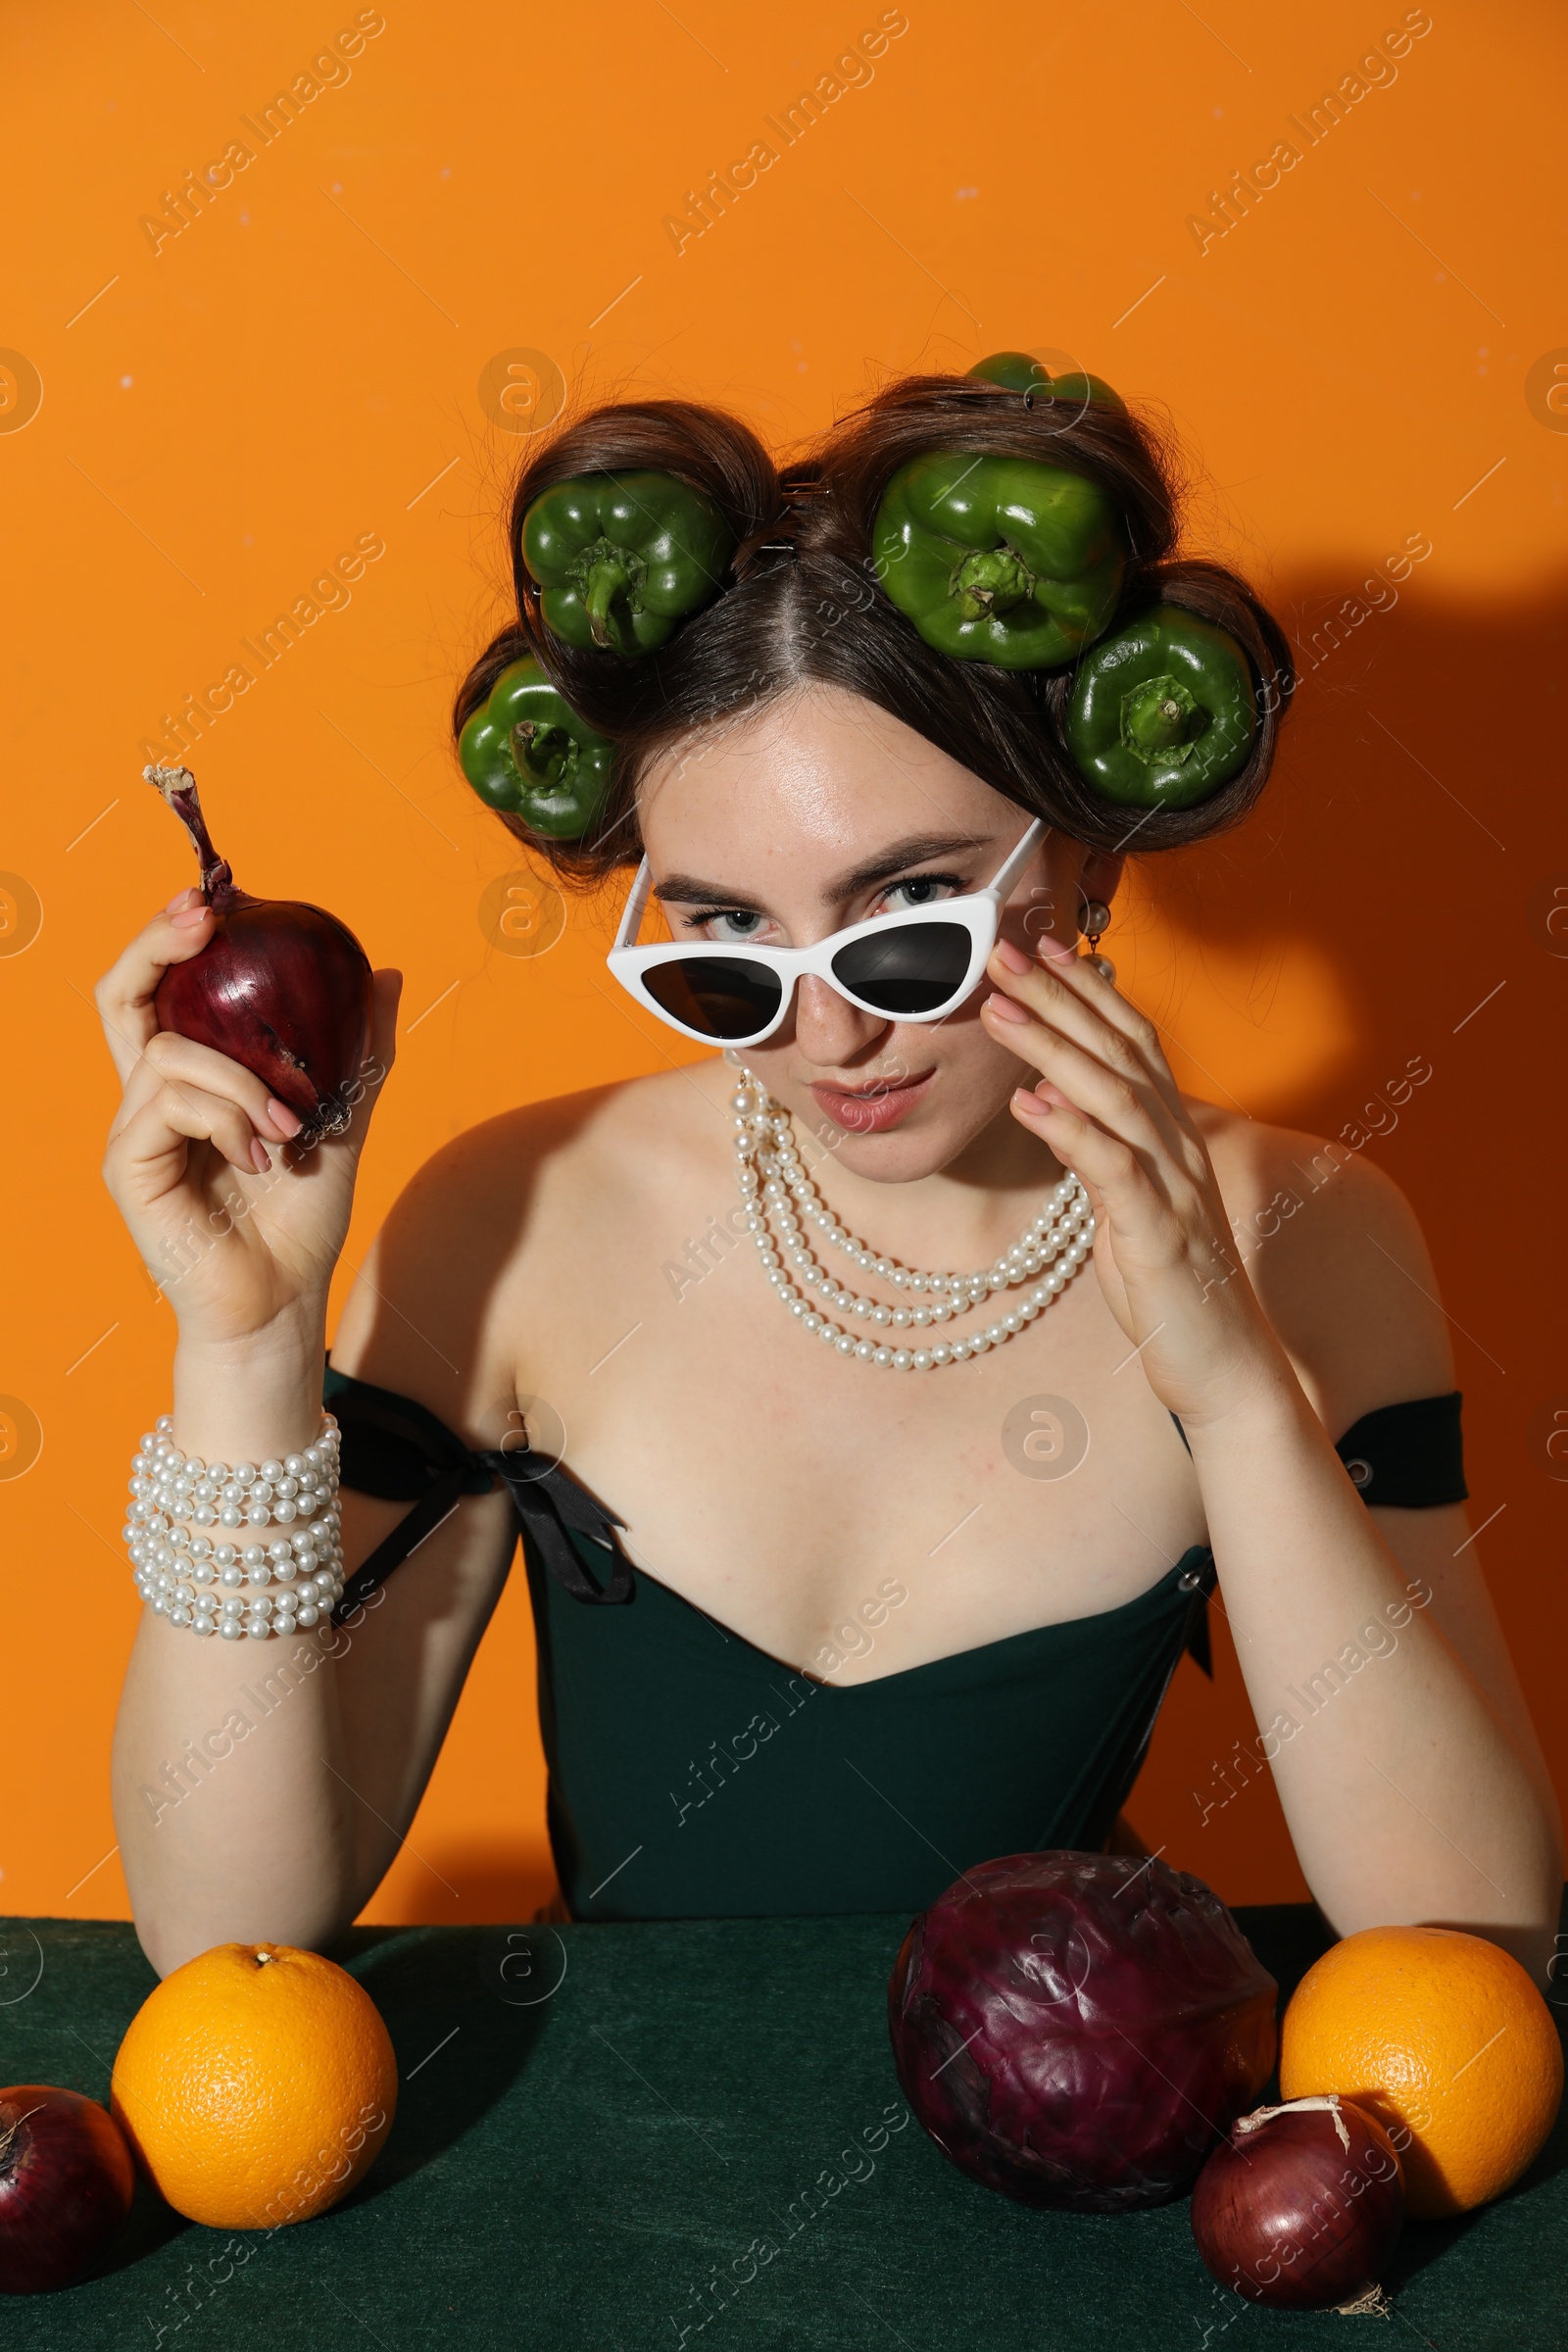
[
  {"x": 255, "y": 2084},
  {"x": 1444, "y": 2036}
]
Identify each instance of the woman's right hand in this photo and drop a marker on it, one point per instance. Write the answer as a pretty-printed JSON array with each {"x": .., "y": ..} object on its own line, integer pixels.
[{"x": 237, "y": 1226}]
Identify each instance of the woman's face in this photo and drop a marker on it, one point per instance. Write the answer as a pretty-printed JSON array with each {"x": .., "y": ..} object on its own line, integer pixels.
[{"x": 823, "y": 810}]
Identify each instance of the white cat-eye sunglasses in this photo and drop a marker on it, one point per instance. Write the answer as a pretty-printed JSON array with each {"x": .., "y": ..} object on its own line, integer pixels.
[{"x": 917, "y": 965}]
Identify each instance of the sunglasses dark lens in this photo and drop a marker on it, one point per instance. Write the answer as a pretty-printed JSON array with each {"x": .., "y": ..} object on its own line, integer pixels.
[
  {"x": 912, "y": 970},
  {"x": 715, "y": 994}
]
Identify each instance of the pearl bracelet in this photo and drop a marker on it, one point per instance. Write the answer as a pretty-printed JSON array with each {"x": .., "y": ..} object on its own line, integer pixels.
[{"x": 213, "y": 1585}]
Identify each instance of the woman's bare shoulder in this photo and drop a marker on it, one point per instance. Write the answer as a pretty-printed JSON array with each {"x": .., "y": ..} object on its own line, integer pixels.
[
  {"x": 431, "y": 1312},
  {"x": 1338, "y": 1258}
]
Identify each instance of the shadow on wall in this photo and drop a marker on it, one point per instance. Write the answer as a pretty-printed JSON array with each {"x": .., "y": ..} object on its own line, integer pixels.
[
  {"x": 1395, "y": 857},
  {"x": 471, "y": 1884},
  {"x": 1394, "y": 903}
]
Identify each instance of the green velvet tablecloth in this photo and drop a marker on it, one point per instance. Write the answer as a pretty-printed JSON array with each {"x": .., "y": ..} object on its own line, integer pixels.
[{"x": 601, "y": 2161}]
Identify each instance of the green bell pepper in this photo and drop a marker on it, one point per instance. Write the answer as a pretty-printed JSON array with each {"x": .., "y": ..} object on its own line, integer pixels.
[
  {"x": 1002, "y": 560},
  {"x": 1016, "y": 372},
  {"x": 623, "y": 556},
  {"x": 1162, "y": 713},
  {"x": 527, "y": 753}
]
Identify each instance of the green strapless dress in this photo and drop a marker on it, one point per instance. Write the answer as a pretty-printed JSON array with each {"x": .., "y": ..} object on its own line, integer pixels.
[{"x": 693, "y": 1775}]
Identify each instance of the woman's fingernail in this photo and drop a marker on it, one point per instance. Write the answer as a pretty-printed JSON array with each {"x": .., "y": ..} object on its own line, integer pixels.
[
  {"x": 282, "y": 1117},
  {"x": 1025, "y": 1100},
  {"x": 259, "y": 1156},
  {"x": 1055, "y": 950},
  {"x": 1004, "y": 1008},
  {"x": 1011, "y": 958},
  {"x": 189, "y": 916},
  {"x": 182, "y": 897}
]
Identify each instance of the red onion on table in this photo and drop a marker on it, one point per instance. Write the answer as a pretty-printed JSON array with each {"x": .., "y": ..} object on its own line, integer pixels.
[
  {"x": 66, "y": 2177},
  {"x": 1078, "y": 2029},
  {"x": 1301, "y": 2206},
  {"x": 281, "y": 987}
]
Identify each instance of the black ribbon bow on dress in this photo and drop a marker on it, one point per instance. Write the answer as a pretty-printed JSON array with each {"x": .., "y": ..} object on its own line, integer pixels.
[
  {"x": 549, "y": 1502},
  {"x": 380, "y": 1431}
]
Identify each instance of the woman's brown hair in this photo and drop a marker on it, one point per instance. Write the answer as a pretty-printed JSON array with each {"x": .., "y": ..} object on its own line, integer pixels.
[{"x": 801, "y": 603}]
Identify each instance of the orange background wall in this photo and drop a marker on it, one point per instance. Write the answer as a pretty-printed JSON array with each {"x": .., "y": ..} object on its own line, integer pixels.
[{"x": 1364, "y": 355}]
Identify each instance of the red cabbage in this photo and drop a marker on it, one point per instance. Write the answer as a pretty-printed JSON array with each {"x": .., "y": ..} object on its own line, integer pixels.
[{"x": 1079, "y": 2029}]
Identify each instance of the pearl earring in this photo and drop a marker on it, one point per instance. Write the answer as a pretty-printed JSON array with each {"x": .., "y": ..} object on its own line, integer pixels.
[{"x": 1096, "y": 919}]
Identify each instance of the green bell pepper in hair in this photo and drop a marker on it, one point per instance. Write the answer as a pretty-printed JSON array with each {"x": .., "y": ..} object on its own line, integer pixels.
[
  {"x": 526, "y": 753},
  {"x": 623, "y": 556},
  {"x": 1002, "y": 559},
  {"x": 1163, "y": 711},
  {"x": 1016, "y": 372}
]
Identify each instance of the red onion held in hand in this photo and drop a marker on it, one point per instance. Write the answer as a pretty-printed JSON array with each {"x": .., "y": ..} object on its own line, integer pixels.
[
  {"x": 66, "y": 2177},
  {"x": 1301, "y": 2206},
  {"x": 281, "y": 987}
]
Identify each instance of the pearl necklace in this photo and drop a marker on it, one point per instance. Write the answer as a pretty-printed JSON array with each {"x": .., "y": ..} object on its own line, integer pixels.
[{"x": 777, "y": 1193}]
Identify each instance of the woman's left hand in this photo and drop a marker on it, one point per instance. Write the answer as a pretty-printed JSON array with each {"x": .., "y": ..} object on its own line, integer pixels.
[{"x": 1108, "y": 1107}]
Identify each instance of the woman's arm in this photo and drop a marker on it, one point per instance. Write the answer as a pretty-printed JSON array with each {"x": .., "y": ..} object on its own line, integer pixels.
[
  {"x": 1412, "y": 1784},
  {"x": 260, "y": 1788},
  {"x": 291, "y": 1834},
  {"x": 1347, "y": 1287},
  {"x": 1409, "y": 1796},
  {"x": 230, "y": 1825}
]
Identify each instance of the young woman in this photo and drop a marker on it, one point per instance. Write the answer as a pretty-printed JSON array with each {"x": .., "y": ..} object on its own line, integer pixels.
[{"x": 846, "y": 1574}]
